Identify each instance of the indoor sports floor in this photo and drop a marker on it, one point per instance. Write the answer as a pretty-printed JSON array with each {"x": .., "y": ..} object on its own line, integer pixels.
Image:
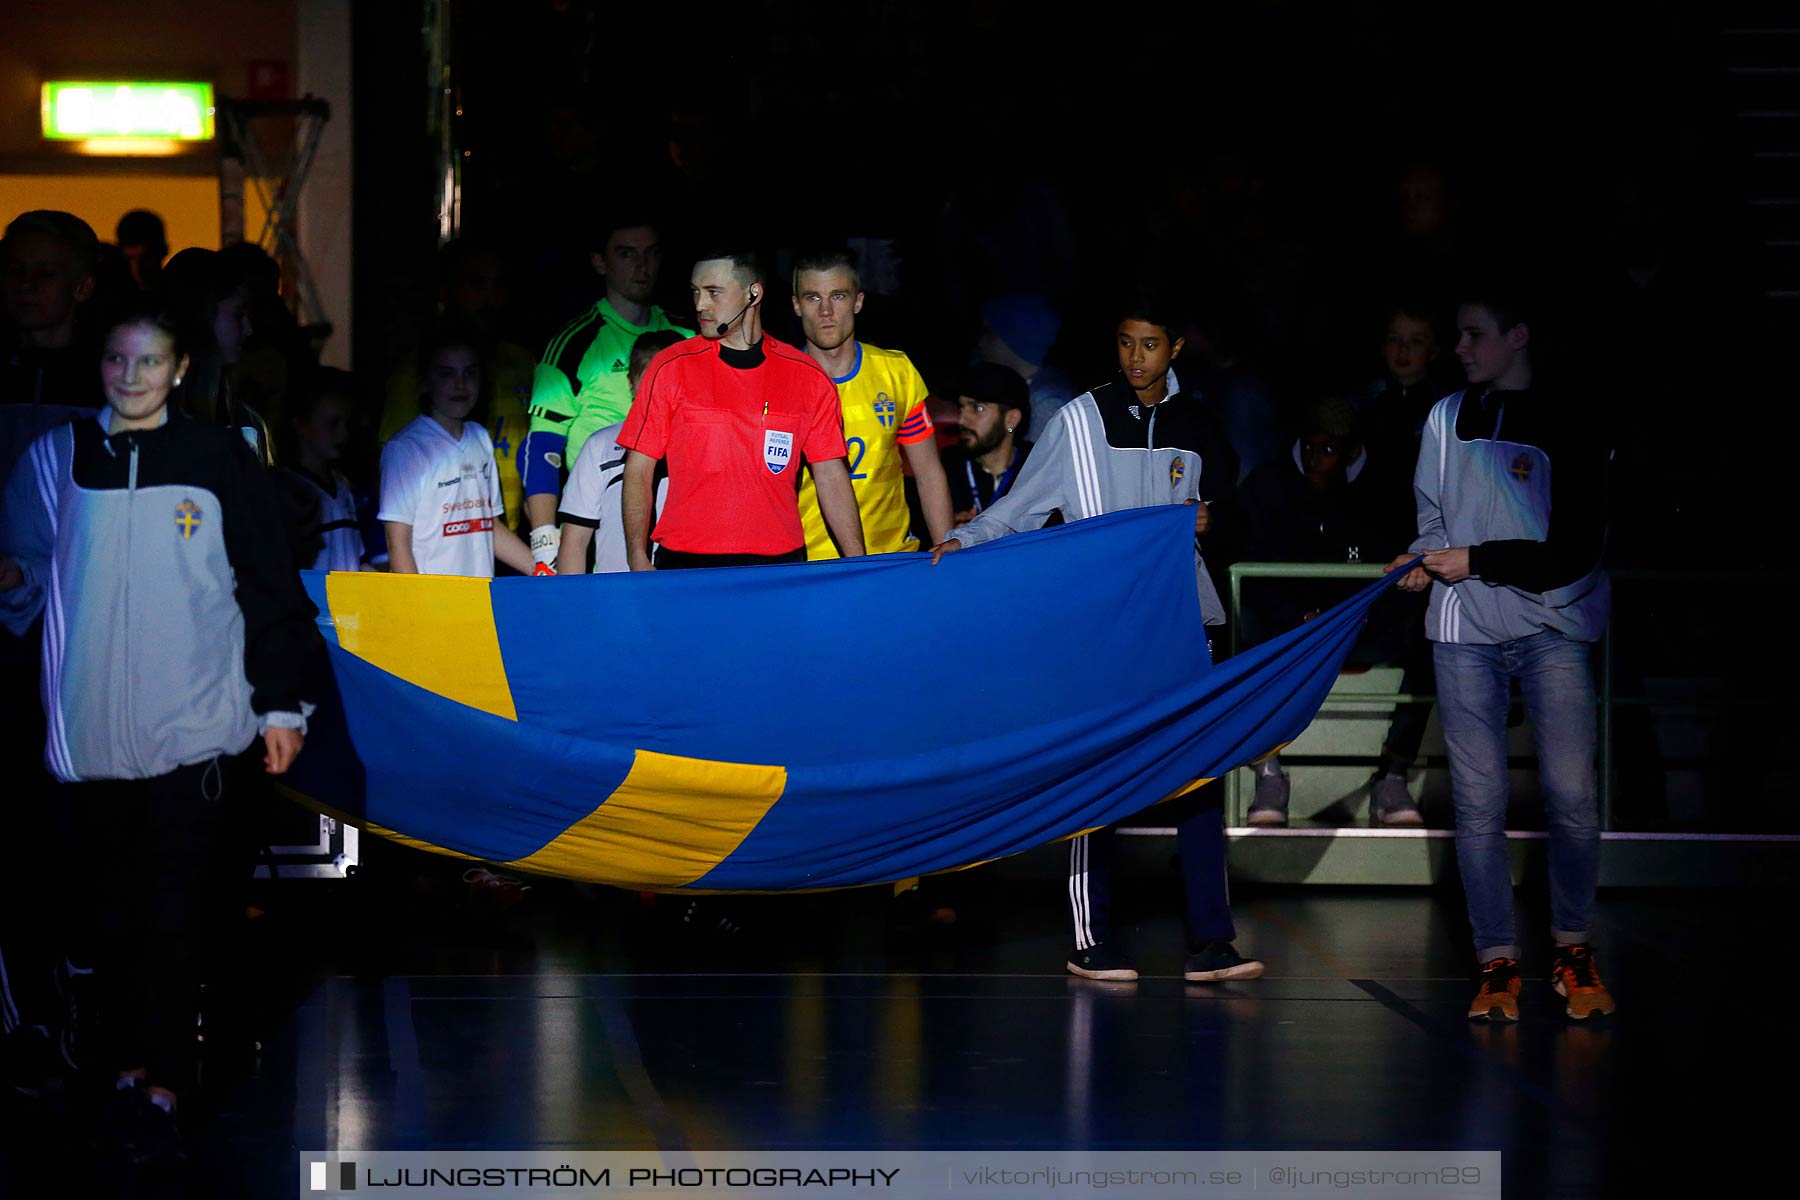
[{"x": 394, "y": 1012}]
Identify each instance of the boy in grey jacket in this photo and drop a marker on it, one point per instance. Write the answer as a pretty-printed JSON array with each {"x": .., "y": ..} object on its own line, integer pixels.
[
  {"x": 1132, "y": 442},
  {"x": 1511, "y": 486}
]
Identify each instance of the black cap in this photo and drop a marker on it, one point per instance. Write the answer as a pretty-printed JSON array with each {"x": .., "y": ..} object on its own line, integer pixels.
[{"x": 991, "y": 383}]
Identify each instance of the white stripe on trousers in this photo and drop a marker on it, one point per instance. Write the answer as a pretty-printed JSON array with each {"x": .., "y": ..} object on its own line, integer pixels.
[{"x": 1078, "y": 892}]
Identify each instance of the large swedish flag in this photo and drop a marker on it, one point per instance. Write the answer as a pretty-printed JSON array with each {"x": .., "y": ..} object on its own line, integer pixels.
[{"x": 822, "y": 725}]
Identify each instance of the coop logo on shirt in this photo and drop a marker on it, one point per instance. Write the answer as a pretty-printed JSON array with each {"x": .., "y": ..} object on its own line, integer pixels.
[
  {"x": 778, "y": 449},
  {"x": 473, "y": 525}
]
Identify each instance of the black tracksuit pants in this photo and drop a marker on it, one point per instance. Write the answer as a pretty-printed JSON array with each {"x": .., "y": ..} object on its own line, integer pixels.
[
  {"x": 1200, "y": 841},
  {"x": 165, "y": 866}
]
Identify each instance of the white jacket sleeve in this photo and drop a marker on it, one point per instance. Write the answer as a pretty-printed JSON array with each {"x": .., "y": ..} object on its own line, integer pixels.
[
  {"x": 1043, "y": 486},
  {"x": 27, "y": 530}
]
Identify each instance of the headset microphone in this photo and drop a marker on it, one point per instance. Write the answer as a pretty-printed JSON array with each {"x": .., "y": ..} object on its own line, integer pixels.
[{"x": 725, "y": 326}]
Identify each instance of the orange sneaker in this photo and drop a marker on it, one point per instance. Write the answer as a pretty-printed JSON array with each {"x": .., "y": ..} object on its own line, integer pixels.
[
  {"x": 1577, "y": 980},
  {"x": 1498, "y": 999}
]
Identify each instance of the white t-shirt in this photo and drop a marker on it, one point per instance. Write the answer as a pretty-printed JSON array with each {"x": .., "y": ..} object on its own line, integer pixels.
[
  {"x": 448, "y": 491},
  {"x": 591, "y": 497},
  {"x": 343, "y": 548}
]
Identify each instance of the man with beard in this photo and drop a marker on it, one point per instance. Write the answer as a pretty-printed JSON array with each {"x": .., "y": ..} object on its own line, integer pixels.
[
  {"x": 581, "y": 384},
  {"x": 885, "y": 419},
  {"x": 991, "y": 448}
]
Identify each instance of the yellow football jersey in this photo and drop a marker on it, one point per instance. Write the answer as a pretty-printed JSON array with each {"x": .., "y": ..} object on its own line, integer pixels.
[{"x": 883, "y": 399}]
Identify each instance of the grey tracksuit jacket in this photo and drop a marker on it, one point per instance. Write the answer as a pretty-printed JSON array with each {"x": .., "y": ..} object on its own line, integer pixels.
[
  {"x": 174, "y": 625},
  {"x": 1104, "y": 451},
  {"x": 1520, "y": 479}
]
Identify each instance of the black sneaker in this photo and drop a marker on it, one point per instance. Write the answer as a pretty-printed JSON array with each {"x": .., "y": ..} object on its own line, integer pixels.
[
  {"x": 1217, "y": 961},
  {"x": 137, "y": 1132},
  {"x": 1100, "y": 962}
]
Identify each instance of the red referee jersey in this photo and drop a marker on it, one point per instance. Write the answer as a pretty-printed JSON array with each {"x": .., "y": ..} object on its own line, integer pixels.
[{"x": 734, "y": 437}]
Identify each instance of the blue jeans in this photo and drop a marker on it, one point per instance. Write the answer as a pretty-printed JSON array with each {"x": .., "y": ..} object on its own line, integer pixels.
[{"x": 1473, "y": 694}]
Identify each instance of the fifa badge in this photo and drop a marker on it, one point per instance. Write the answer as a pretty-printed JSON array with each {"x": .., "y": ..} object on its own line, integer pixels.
[{"x": 778, "y": 449}]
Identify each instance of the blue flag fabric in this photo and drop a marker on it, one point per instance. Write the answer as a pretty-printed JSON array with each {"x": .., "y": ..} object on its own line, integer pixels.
[{"x": 823, "y": 725}]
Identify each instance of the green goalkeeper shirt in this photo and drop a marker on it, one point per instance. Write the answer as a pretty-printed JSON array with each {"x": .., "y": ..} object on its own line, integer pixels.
[{"x": 580, "y": 384}]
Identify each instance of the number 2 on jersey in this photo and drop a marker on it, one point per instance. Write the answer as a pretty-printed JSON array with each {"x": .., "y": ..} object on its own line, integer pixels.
[{"x": 858, "y": 448}]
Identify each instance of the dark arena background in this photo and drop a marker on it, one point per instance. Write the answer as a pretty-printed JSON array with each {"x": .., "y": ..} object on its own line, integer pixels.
[{"x": 1285, "y": 171}]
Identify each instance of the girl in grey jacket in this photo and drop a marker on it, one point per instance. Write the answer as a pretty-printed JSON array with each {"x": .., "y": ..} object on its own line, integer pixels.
[{"x": 175, "y": 630}]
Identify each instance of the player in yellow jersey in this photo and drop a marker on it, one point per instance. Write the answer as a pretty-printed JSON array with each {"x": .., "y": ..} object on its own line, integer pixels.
[{"x": 885, "y": 420}]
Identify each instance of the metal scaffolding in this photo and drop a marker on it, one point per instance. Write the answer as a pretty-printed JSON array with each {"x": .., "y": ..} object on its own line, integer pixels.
[{"x": 277, "y": 186}]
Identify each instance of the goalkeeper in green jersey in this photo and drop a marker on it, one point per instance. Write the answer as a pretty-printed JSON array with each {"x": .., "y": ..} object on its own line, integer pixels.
[{"x": 580, "y": 384}]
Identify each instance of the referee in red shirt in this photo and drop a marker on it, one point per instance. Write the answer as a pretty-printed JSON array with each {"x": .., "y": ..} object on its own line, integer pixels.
[{"x": 734, "y": 413}]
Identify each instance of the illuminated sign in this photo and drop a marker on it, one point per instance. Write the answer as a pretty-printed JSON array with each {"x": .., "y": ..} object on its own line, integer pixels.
[{"x": 93, "y": 112}]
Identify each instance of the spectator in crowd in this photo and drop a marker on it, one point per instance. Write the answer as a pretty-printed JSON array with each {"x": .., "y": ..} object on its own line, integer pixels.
[
  {"x": 157, "y": 539},
  {"x": 318, "y": 428},
  {"x": 1017, "y": 330},
  {"x": 434, "y": 529},
  {"x": 995, "y": 407},
  {"x": 47, "y": 262},
  {"x": 589, "y": 515},
  {"x": 884, "y": 415},
  {"x": 733, "y": 411},
  {"x": 1511, "y": 489},
  {"x": 144, "y": 242},
  {"x": 580, "y": 385},
  {"x": 1392, "y": 413},
  {"x": 1134, "y": 441},
  {"x": 1324, "y": 503},
  {"x": 277, "y": 354},
  {"x": 211, "y": 299},
  {"x": 472, "y": 295}
]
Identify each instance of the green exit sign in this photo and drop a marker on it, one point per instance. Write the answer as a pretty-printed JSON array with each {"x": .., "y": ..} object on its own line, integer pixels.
[{"x": 90, "y": 111}]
